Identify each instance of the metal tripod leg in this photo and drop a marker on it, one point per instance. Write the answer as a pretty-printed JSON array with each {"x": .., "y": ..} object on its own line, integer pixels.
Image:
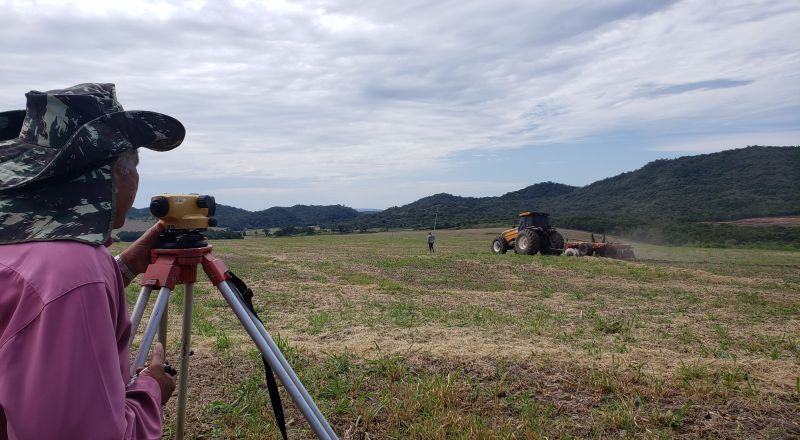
[
  {"x": 318, "y": 423},
  {"x": 285, "y": 364},
  {"x": 138, "y": 310},
  {"x": 162, "y": 328},
  {"x": 186, "y": 334},
  {"x": 152, "y": 327},
  {"x": 184, "y": 272},
  {"x": 156, "y": 324}
]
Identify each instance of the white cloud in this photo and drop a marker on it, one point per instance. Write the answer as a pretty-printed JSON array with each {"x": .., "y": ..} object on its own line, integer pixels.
[
  {"x": 360, "y": 194},
  {"x": 726, "y": 142},
  {"x": 376, "y": 90}
]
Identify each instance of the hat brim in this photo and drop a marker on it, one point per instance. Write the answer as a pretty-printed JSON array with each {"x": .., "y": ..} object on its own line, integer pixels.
[
  {"x": 97, "y": 140},
  {"x": 121, "y": 131}
]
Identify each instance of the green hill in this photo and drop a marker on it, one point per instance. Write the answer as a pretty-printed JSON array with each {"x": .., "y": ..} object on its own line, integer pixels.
[
  {"x": 665, "y": 201},
  {"x": 456, "y": 211},
  {"x": 733, "y": 184}
]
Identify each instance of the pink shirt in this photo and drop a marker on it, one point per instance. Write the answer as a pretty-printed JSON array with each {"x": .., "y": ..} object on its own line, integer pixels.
[{"x": 64, "y": 359}]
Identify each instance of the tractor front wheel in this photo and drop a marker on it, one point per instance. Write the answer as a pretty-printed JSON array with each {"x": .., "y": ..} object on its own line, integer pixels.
[
  {"x": 499, "y": 245},
  {"x": 527, "y": 242}
]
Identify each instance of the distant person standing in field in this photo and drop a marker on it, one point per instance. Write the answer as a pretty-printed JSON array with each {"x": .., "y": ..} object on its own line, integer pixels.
[{"x": 431, "y": 239}]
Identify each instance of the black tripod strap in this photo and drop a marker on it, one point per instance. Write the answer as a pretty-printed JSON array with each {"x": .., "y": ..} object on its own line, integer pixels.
[{"x": 272, "y": 385}]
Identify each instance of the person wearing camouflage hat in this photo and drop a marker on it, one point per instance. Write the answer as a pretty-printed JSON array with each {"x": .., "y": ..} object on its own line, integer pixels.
[
  {"x": 55, "y": 176},
  {"x": 67, "y": 178}
]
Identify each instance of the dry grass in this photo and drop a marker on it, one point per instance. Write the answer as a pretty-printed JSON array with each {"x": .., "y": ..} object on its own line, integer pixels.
[
  {"x": 396, "y": 343},
  {"x": 768, "y": 221}
]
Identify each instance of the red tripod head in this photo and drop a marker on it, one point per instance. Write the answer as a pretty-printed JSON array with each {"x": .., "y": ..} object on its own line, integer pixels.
[{"x": 169, "y": 267}]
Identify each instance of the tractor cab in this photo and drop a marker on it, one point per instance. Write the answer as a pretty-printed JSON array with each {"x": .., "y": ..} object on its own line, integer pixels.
[{"x": 529, "y": 219}]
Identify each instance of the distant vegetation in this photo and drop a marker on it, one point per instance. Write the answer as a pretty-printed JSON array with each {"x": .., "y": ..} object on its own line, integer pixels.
[
  {"x": 292, "y": 231},
  {"x": 223, "y": 234},
  {"x": 129, "y": 235},
  {"x": 720, "y": 235},
  {"x": 214, "y": 234},
  {"x": 733, "y": 184},
  {"x": 275, "y": 217},
  {"x": 662, "y": 202}
]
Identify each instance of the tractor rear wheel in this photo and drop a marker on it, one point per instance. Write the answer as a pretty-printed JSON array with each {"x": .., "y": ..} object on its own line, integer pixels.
[
  {"x": 556, "y": 243},
  {"x": 628, "y": 254},
  {"x": 499, "y": 245},
  {"x": 527, "y": 242}
]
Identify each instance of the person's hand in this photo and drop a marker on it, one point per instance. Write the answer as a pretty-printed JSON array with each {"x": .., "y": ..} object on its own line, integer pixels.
[
  {"x": 156, "y": 371},
  {"x": 137, "y": 255}
]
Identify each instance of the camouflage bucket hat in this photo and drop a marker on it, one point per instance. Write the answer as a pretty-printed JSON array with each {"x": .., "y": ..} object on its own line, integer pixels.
[{"x": 57, "y": 157}]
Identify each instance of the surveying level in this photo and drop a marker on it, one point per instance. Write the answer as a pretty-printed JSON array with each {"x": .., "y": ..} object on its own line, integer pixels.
[
  {"x": 181, "y": 249},
  {"x": 184, "y": 216},
  {"x": 184, "y": 211}
]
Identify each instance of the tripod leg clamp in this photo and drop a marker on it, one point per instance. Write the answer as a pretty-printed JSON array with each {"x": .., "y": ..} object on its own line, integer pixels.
[
  {"x": 215, "y": 269},
  {"x": 162, "y": 273}
]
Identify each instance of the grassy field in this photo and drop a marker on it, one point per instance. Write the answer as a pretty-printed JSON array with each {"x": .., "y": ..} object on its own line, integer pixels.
[{"x": 395, "y": 343}]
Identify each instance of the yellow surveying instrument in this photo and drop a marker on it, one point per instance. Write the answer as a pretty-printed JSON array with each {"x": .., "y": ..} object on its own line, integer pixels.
[
  {"x": 184, "y": 217},
  {"x": 181, "y": 249},
  {"x": 184, "y": 211}
]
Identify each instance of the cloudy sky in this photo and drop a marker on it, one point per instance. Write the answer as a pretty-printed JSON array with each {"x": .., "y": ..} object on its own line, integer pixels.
[{"x": 373, "y": 104}]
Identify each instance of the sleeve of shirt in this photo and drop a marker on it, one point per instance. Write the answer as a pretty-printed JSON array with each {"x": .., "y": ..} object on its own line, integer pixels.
[{"x": 76, "y": 390}]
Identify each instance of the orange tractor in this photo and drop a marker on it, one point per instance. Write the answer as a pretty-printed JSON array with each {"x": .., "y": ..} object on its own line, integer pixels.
[{"x": 533, "y": 235}]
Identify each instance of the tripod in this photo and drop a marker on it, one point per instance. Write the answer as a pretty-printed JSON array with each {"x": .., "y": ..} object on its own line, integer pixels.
[{"x": 178, "y": 265}]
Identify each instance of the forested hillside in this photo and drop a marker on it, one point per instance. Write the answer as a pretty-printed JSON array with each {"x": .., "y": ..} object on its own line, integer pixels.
[
  {"x": 657, "y": 201},
  {"x": 455, "y": 211},
  {"x": 733, "y": 184}
]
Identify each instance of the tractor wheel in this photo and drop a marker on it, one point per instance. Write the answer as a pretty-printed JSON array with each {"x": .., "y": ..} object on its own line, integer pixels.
[
  {"x": 499, "y": 245},
  {"x": 527, "y": 242},
  {"x": 556, "y": 243},
  {"x": 628, "y": 254},
  {"x": 585, "y": 249}
]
